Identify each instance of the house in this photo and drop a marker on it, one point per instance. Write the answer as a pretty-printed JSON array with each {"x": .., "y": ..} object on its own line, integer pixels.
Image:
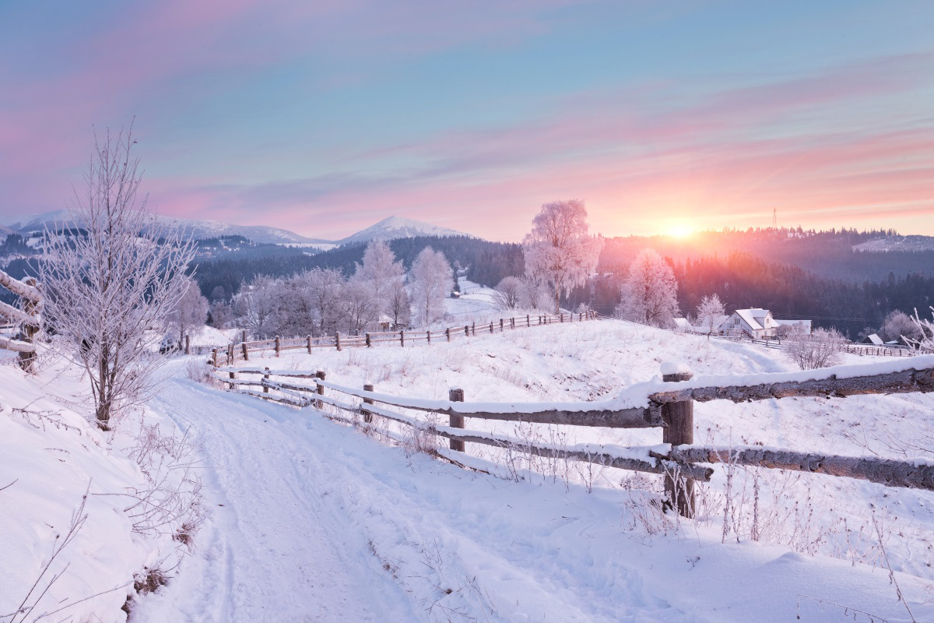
[
  {"x": 756, "y": 322},
  {"x": 873, "y": 339},
  {"x": 682, "y": 324}
]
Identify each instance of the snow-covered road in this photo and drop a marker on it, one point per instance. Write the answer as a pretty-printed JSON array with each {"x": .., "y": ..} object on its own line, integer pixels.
[{"x": 312, "y": 521}]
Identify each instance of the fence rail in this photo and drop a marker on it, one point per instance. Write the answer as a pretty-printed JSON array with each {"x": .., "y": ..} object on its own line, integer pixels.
[
  {"x": 27, "y": 318},
  {"x": 667, "y": 405},
  {"x": 241, "y": 351}
]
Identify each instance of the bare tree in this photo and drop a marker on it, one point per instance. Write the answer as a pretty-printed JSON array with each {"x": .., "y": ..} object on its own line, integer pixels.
[
  {"x": 191, "y": 311},
  {"x": 820, "y": 349},
  {"x": 256, "y": 307},
  {"x": 558, "y": 250},
  {"x": 432, "y": 280},
  {"x": 508, "y": 293},
  {"x": 710, "y": 312},
  {"x": 326, "y": 290},
  {"x": 113, "y": 280},
  {"x": 649, "y": 294},
  {"x": 400, "y": 305}
]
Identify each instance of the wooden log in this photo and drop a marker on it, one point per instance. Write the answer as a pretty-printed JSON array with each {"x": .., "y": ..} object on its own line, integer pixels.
[
  {"x": 16, "y": 345},
  {"x": 456, "y": 394},
  {"x": 320, "y": 375},
  {"x": 914, "y": 380},
  {"x": 367, "y": 415},
  {"x": 17, "y": 315},
  {"x": 21, "y": 288},
  {"x": 880, "y": 471},
  {"x": 679, "y": 430}
]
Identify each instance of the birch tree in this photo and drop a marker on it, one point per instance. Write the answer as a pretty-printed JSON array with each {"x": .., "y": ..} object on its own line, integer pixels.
[
  {"x": 649, "y": 294},
  {"x": 379, "y": 273},
  {"x": 432, "y": 280},
  {"x": 113, "y": 280},
  {"x": 558, "y": 250}
]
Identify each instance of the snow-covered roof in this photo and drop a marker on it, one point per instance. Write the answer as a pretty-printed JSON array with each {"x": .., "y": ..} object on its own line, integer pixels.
[
  {"x": 682, "y": 323},
  {"x": 875, "y": 339},
  {"x": 757, "y": 318}
]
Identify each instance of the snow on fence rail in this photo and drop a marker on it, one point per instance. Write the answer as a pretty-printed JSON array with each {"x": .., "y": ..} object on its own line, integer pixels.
[
  {"x": 667, "y": 405},
  {"x": 27, "y": 318},
  {"x": 241, "y": 351}
]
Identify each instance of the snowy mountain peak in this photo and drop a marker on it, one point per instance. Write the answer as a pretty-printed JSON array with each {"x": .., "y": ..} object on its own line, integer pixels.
[{"x": 395, "y": 227}]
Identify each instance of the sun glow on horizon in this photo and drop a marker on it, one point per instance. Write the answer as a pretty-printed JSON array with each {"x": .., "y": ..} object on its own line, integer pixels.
[{"x": 679, "y": 230}]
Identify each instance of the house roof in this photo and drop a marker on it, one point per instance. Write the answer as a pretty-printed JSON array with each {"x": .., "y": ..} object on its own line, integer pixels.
[
  {"x": 757, "y": 318},
  {"x": 875, "y": 339}
]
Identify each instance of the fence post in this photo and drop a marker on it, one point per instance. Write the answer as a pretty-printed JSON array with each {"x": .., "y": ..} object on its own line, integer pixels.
[
  {"x": 474, "y": 325},
  {"x": 500, "y": 324},
  {"x": 428, "y": 333},
  {"x": 447, "y": 333},
  {"x": 309, "y": 344},
  {"x": 467, "y": 330},
  {"x": 456, "y": 421},
  {"x": 402, "y": 338},
  {"x": 187, "y": 345},
  {"x": 369, "y": 344},
  {"x": 367, "y": 416},
  {"x": 233, "y": 377},
  {"x": 512, "y": 323},
  {"x": 320, "y": 376},
  {"x": 246, "y": 352},
  {"x": 266, "y": 380},
  {"x": 679, "y": 430},
  {"x": 528, "y": 320},
  {"x": 243, "y": 335},
  {"x": 337, "y": 337},
  {"x": 214, "y": 357},
  {"x": 278, "y": 346},
  {"x": 562, "y": 316},
  {"x": 491, "y": 326},
  {"x": 230, "y": 354}
]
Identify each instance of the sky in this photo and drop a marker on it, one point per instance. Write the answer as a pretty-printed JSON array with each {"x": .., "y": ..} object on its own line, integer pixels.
[{"x": 323, "y": 117}]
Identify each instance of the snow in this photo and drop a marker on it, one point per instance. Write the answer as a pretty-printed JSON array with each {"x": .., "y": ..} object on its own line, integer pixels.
[
  {"x": 395, "y": 227},
  {"x": 675, "y": 367},
  {"x": 312, "y": 519}
]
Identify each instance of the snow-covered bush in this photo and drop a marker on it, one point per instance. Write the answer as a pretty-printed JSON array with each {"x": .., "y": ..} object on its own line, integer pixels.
[
  {"x": 821, "y": 349},
  {"x": 899, "y": 326},
  {"x": 508, "y": 293}
]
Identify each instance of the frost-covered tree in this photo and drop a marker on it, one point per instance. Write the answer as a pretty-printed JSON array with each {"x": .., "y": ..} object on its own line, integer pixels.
[
  {"x": 710, "y": 312},
  {"x": 649, "y": 294},
  {"x": 534, "y": 295},
  {"x": 326, "y": 291},
  {"x": 820, "y": 349},
  {"x": 114, "y": 279},
  {"x": 379, "y": 273},
  {"x": 899, "y": 326},
  {"x": 190, "y": 313},
  {"x": 432, "y": 280},
  {"x": 361, "y": 305},
  {"x": 925, "y": 340},
  {"x": 558, "y": 250},
  {"x": 400, "y": 305},
  {"x": 508, "y": 293},
  {"x": 256, "y": 307}
]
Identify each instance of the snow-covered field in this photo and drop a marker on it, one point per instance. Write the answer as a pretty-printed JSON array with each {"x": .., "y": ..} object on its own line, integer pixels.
[{"x": 313, "y": 520}]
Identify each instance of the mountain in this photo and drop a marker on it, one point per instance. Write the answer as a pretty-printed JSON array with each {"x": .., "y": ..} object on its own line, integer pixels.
[
  {"x": 198, "y": 229},
  {"x": 888, "y": 244},
  {"x": 391, "y": 228},
  {"x": 396, "y": 227}
]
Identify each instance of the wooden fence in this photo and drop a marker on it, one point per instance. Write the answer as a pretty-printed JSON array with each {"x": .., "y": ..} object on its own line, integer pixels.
[
  {"x": 26, "y": 318},
  {"x": 880, "y": 351},
  {"x": 649, "y": 405},
  {"x": 242, "y": 351}
]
